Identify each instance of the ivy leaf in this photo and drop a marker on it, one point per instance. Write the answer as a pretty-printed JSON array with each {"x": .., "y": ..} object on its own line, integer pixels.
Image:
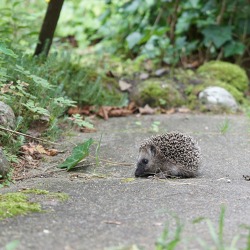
[
  {"x": 78, "y": 153},
  {"x": 133, "y": 39},
  {"x": 218, "y": 35},
  {"x": 234, "y": 48}
]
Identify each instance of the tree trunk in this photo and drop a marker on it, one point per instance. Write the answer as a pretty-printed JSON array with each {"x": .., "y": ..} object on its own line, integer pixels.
[{"x": 49, "y": 26}]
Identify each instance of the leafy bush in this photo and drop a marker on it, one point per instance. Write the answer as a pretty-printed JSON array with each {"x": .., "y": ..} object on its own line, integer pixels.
[{"x": 164, "y": 30}]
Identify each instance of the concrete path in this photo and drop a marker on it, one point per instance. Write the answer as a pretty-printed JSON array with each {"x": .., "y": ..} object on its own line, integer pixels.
[{"x": 106, "y": 209}]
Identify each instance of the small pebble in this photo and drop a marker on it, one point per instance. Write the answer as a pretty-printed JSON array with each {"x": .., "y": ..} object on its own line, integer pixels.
[
  {"x": 46, "y": 231},
  {"x": 228, "y": 181}
]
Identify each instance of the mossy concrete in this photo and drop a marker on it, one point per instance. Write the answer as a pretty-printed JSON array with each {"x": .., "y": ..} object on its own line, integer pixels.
[
  {"x": 109, "y": 207},
  {"x": 18, "y": 203}
]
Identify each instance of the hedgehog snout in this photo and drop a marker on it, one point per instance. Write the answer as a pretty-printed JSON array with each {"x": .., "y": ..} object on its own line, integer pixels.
[
  {"x": 140, "y": 170},
  {"x": 141, "y": 167}
]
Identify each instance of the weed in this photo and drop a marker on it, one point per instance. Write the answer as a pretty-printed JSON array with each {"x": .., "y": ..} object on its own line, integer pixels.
[
  {"x": 224, "y": 127},
  {"x": 78, "y": 120},
  {"x": 217, "y": 236},
  {"x": 155, "y": 126},
  {"x": 169, "y": 240},
  {"x": 97, "y": 150}
]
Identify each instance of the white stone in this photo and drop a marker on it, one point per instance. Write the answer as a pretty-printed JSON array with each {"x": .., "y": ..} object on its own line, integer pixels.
[{"x": 217, "y": 96}]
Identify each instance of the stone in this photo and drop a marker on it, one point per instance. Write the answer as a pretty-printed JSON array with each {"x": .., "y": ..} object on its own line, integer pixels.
[
  {"x": 161, "y": 72},
  {"x": 4, "y": 165},
  {"x": 7, "y": 116},
  {"x": 144, "y": 76},
  {"x": 217, "y": 96}
]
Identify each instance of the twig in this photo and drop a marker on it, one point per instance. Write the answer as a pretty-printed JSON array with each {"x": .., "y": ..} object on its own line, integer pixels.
[
  {"x": 29, "y": 136},
  {"x": 113, "y": 162},
  {"x": 41, "y": 175}
]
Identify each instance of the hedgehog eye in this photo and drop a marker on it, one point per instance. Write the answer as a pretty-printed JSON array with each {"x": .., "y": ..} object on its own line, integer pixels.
[{"x": 144, "y": 161}]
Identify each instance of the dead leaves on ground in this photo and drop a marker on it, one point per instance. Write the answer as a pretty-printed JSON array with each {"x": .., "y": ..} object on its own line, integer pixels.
[
  {"x": 36, "y": 150},
  {"x": 106, "y": 112},
  {"x": 31, "y": 154}
]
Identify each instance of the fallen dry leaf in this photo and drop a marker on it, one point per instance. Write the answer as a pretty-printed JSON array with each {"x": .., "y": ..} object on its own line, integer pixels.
[
  {"x": 86, "y": 110},
  {"x": 124, "y": 85},
  {"x": 183, "y": 110},
  {"x": 146, "y": 110},
  {"x": 36, "y": 149}
]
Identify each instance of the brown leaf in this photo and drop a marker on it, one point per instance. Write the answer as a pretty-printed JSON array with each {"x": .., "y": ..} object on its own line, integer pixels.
[
  {"x": 52, "y": 152},
  {"x": 146, "y": 110},
  {"x": 124, "y": 85},
  {"x": 119, "y": 112},
  {"x": 183, "y": 110},
  {"x": 87, "y": 130},
  {"x": 32, "y": 149},
  {"x": 110, "y": 74},
  {"x": 103, "y": 112},
  {"x": 77, "y": 110},
  {"x": 6, "y": 88},
  {"x": 170, "y": 111}
]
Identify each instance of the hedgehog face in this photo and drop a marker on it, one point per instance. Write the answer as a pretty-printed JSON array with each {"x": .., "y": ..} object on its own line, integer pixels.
[{"x": 146, "y": 164}]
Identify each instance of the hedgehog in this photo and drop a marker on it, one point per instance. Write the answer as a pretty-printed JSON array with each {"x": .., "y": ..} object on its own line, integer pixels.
[{"x": 169, "y": 155}]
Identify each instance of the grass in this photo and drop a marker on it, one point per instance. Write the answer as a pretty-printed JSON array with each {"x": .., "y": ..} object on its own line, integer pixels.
[
  {"x": 170, "y": 239},
  {"x": 225, "y": 126}
]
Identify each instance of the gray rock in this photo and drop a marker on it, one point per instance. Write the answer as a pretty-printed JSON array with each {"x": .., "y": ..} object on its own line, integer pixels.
[
  {"x": 144, "y": 76},
  {"x": 218, "y": 97},
  {"x": 4, "y": 165},
  {"x": 7, "y": 116},
  {"x": 161, "y": 72}
]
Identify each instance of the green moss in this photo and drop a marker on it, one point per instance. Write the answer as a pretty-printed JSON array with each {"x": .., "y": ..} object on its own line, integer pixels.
[
  {"x": 155, "y": 93},
  {"x": 12, "y": 204},
  {"x": 193, "y": 91},
  {"x": 49, "y": 195},
  {"x": 226, "y": 72},
  {"x": 35, "y": 191}
]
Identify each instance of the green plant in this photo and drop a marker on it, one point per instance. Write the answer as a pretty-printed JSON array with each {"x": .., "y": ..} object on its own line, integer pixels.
[
  {"x": 217, "y": 236},
  {"x": 79, "y": 152},
  {"x": 78, "y": 120},
  {"x": 170, "y": 239},
  {"x": 225, "y": 126},
  {"x": 97, "y": 150},
  {"x": 171, "y": 31}
]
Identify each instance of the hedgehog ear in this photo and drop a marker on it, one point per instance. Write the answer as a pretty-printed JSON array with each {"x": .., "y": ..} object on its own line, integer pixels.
[{"x": 153, "y": 150}]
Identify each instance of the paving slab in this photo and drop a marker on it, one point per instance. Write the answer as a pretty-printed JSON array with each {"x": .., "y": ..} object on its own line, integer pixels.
[{"x": 108, "y": 209}]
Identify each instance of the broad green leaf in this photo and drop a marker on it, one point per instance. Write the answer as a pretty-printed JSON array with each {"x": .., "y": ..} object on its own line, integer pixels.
[
  {"x": 132, "y": 6},
  {"x": 218, "y": 35},
  {"x": 133, "y": 39},
  {"x": 78, "y": 153},
  {"x": 7, "y": 51},
  {"x": 234, "y": 48}
]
